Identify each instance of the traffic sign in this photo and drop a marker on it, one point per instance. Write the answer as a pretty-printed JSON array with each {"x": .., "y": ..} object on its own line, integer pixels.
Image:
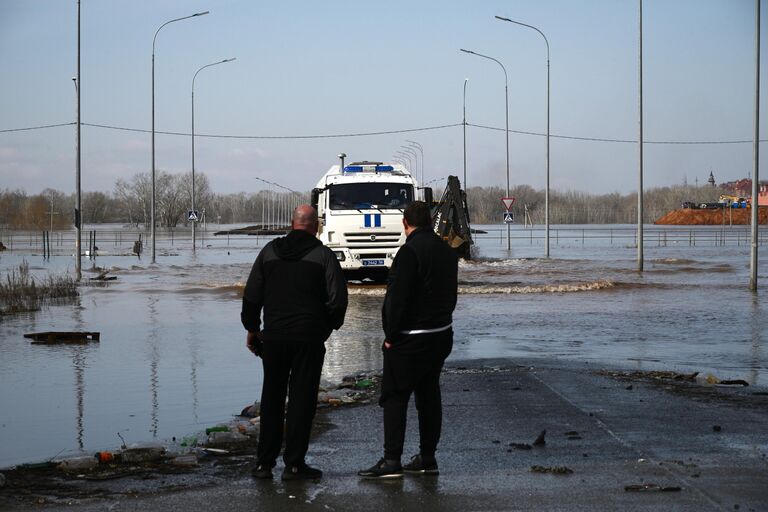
[
  {"x": 508, "y": 218},
  {"x": 508, "y": 202},
  {"x": 193, "y": 215}
]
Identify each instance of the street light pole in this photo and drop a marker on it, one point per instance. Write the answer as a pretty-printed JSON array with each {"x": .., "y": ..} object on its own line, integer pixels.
[
  {"x": 407, "y": 157},
  {"x": 546, "y": 194},
  {"x": 78, "y": 151},
  {"x": 755, "y": 160},
  {"x": 640, "y": 147},
  {"x": 194, "y": 221},
  {"x": 152, "y": 206},
  {"x": 413, "y": 152},
  {"x": 506, "y": 119},
  {"x": 464, "y": 127},
  {"x": 418, "y": 146}
]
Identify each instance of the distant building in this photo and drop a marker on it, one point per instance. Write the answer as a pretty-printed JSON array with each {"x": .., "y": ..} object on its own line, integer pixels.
[
  {"x": 711, "y": 179},
  {"x": 743, "y": 188}
]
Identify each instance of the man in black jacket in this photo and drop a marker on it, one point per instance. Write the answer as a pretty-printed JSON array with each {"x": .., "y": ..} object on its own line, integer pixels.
[
  {"x": 299, "y": 284},
  {"x": 417, "y": 318}
]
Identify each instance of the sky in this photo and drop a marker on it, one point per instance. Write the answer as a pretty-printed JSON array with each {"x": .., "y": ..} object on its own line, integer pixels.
[{"x": 342, "y": 67}]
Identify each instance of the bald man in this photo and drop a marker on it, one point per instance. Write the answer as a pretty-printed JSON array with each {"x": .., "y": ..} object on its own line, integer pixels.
[{"x": 299, "y": 285}]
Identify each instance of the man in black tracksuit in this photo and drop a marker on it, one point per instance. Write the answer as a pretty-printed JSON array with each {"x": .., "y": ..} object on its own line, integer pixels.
[
  {"x": 417, "y": 318},
  {"x": 299, "y": 284}
]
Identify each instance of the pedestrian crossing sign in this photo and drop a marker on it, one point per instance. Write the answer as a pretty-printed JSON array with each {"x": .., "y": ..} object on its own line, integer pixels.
[
  {"x": 508, "y": 218},
  {"x": 193, "y": 215}
]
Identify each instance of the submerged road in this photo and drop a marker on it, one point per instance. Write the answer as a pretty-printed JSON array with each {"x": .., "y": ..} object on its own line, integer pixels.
[{"x": 707, "y": 447}]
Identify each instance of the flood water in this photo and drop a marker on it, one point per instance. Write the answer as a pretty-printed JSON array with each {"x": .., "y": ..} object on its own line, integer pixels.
[{"x": 172, "y": 357}]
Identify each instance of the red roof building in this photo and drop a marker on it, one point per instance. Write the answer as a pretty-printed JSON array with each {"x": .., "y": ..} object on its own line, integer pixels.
[{"x": 743, "y": 188}]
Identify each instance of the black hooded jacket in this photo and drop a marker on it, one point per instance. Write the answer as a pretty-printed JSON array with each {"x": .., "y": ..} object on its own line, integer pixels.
[
  {"x": 300, "y": 286},
  {"x": 421, "y": 287}
]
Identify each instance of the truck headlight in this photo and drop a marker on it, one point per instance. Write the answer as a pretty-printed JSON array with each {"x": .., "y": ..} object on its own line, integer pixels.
[{"x": 339, "y": 255}]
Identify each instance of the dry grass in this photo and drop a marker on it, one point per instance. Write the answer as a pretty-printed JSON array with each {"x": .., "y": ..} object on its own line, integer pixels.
[{"x": 19, "y": 291}]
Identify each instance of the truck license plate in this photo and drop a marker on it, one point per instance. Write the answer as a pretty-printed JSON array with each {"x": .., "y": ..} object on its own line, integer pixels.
[{"x": 369, "y": 263}]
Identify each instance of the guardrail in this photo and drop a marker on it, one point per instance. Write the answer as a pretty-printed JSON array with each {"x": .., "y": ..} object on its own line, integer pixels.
[
  {"x": 122, "y": 240},
  {"x": 658, "y": 236}
]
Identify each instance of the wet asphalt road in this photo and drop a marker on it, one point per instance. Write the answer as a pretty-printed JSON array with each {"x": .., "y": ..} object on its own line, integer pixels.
[{"x": 611, "y": 433}]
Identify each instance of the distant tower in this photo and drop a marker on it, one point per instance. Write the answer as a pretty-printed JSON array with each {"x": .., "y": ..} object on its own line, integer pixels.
[{"x": 711, "y": 179}]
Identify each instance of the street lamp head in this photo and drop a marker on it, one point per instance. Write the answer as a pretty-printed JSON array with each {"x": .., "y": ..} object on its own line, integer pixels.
[
  {"x": 466, "y": 51},
  {"x": 503, "y": 19},
  {"x": 200, "y": 13},
  {"x": 229, "y": 60}
]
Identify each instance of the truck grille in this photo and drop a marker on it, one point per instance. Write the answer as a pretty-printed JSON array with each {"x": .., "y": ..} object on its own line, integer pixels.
[{"x": 371, "y": 239}]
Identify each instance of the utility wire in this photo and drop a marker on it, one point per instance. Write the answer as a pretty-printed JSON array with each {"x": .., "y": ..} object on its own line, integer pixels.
[
  {"x": 624, "y": 141},
  {"x": 387, "y": 132},
  {"x": 330, "y": 136},
  {"x": 36, "y": 127}
]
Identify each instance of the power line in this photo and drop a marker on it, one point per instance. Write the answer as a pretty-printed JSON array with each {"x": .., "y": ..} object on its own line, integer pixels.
[
  {"x": 623, "y": 141},
  {"x": 36, "y": 127},
  {"x": 327, "y": 136},
  {"x": 386, "y": 132}
]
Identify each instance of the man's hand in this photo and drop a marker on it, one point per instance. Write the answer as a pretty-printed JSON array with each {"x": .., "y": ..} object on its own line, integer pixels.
[{"x": 253, "y": 342}]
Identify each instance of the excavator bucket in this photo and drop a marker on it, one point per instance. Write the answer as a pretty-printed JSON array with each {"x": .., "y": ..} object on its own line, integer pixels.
[{"x": 450, "y": 218}]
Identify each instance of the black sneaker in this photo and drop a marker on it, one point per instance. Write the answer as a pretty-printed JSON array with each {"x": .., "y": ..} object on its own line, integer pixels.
[
  {"x": 422, "y": 466},
  {"x": 383, "y": 469},
  {"x": 301, "y": 472},
  {"x": 263, "y": 471}
]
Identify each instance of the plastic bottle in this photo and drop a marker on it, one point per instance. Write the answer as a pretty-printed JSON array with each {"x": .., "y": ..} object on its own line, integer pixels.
[{"x": 78, "y": 463}]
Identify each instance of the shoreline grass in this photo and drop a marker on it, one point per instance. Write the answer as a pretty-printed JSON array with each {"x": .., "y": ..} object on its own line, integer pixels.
[{"x": 21, "y": 292}]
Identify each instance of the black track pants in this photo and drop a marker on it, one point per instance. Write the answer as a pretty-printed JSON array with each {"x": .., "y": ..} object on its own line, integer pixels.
[
  {"x": 414, "y": 366},
  {"x": 292, "y": 368}
]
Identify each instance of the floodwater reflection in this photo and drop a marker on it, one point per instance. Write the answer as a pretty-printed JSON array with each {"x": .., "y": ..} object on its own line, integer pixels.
[{"x": 357, "y": 345}]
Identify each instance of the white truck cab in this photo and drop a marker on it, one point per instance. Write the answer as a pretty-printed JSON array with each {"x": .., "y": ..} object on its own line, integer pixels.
[{"x": 360, "y": 207}]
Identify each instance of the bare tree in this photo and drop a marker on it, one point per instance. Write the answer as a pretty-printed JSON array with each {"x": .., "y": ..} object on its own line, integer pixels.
[{"x": 95, "y": 206}]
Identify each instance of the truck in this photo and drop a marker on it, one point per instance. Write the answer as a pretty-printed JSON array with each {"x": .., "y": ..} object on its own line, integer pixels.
[{"x": 360, "y": 208}]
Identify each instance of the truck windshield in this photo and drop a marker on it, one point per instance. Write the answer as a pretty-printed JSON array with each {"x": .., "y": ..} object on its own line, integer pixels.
[{"x": 370, "y": 195}]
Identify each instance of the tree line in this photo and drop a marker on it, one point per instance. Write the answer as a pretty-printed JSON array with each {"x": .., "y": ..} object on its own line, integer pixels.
[
  {"x": 130, "y": 203},
  {"x": 573, "y": 207}
]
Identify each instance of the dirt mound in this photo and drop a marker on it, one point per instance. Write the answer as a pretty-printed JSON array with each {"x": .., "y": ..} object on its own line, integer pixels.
[{"x": 691, "y": 217}]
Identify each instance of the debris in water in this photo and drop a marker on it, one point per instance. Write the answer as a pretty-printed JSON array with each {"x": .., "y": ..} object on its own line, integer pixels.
[
  {"x": 735, "y": 382},
  {"x": 216, "y": 451},
  {"x": 651, "y": 488},
  {"x": 557, "y": 470},
  {"x": 540, "y": 440},
  {"x": 185, "y": 460},
  {"x": 50, "y": 337},
  {"x": 103, "y": 277}
]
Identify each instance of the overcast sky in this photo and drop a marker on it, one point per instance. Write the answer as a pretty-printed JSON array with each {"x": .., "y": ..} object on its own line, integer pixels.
[{"x": 344, "y": 67}]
